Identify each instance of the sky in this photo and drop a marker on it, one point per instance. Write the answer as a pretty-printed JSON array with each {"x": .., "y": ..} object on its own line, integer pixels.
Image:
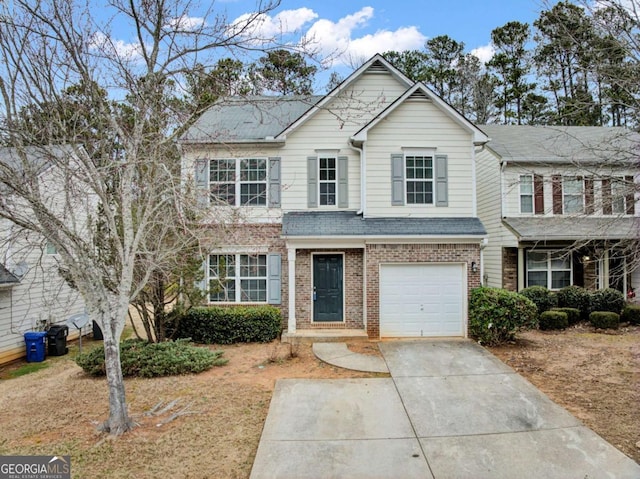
[
  {"x": 362, "y": 28},
  {"x": 346, "y": 33}
]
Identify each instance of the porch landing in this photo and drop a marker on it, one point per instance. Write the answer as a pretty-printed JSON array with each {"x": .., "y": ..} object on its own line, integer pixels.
[{"x": 324, "y": 336}]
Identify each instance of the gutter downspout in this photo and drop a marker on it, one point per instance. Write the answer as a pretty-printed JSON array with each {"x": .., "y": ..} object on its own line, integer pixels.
[
  {"x": 363, "y": 182},
  {"x": 503, "y": 165}
]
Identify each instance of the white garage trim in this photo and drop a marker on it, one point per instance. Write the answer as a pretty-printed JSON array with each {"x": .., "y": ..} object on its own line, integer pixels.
[{"x": 423, "y": 299}]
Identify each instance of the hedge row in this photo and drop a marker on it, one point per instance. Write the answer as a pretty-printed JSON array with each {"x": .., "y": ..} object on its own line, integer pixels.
[
  {"x": 142, "y": 359},
  {"x": 575, "y": 297},
  {"x": 228, "y": 325}
]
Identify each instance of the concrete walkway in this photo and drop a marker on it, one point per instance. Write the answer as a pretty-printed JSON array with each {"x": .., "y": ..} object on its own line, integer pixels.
[
  {"x": 337, "y": 354},
  {"x": 450, "y": 410}
]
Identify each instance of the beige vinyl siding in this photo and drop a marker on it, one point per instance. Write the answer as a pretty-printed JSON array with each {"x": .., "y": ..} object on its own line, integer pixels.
[
  {"x": 330, "y": 129},
  {"x": 512, "y": 188},
  {"x": 41, "y": 296},
  {"x": 490, "y": 213},
  {"x": 419, "y": 124}
]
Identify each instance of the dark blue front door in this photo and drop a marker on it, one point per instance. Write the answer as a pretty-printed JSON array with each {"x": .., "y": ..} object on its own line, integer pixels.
[{"x": 327, "y": 287}]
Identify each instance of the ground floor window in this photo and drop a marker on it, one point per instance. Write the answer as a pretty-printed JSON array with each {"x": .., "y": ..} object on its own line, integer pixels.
[
  {"x": 550, "y": 269},
  {"x": 237, "y": 278}
]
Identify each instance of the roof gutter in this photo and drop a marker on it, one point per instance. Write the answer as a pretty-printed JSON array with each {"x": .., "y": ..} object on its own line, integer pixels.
[{"x": 363, "y": 179}]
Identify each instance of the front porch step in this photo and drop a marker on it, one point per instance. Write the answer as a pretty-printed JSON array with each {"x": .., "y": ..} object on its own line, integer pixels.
[{"x": 324, "y": 336}]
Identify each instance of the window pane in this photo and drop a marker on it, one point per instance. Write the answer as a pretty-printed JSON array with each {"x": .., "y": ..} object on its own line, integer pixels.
[
  {"x": 222, "y": 170},
  {"x": 328, "y": 194},
  {"x": 327, "y": 169},
  {"x": 222, "y": 290},
  {"x": 223, "y": 193},
  {"x": 253, "y": 290},
  {"x": 572, "y": 186},
  {"x": 537, "y": 278},
  {"x": 537, "y": 260},
  {"x": 419, "y": 192},
  {"x": 561, "y": 262},
  {"x": 253, "y": 170},
  {"x": 419, "y": 167},
  {"x": 560, "y": 279},
  {"x": 526, "y": 204},
  {"x": 526, "y": 185},
  {"x": 253, "y": 194},
  {"x": 222, "y": 265},
  {"x": 573, "y": 204},
  {"x": 253, "y": 265}
]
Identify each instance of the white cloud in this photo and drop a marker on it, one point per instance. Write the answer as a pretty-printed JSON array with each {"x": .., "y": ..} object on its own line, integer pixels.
[
  {"x": 338, "y": 40},
  {"x": 119, "y": 48},
  {"x": 485, "y": 53},
  {"x": 186, "y": 23},
  {"x": 265, "y": 26}
]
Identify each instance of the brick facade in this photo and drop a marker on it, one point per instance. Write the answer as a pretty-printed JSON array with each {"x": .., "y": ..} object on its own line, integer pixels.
[
  {"x": 353, "y": 292},
  {"x": 510, "y": 269},
  {"x": 413, "y": 253},
  {"x": 249, "y": 237}
]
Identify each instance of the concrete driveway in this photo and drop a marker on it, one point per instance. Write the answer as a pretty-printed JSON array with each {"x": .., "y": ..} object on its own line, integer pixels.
[{"x": 450, "y": 410}]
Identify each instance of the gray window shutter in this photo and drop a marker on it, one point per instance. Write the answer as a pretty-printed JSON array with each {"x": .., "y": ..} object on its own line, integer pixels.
[
  {"x": 343, "y": 182},
  {"x": 202, "y": 284},
  {"x": 274, "y": 263},
  {"x": 274, "y": 182},
  {"x": 442, "y": 190},
  {"x": 312, "y": 181},
  {"x": 397, "y": 179},
  {"x": 202, "y": 181}
]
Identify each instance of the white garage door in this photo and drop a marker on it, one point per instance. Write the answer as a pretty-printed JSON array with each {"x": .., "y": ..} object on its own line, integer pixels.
[{"x": 419, "y": 300}]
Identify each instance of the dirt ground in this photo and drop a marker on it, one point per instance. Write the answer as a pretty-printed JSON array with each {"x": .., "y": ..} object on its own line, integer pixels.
[
  {"x": 56, "y": 410},
  {"x": 594, "y": 375}
]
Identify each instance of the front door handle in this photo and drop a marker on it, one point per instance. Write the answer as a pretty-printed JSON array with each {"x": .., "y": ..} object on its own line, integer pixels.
[{"x": 315, "y": 295}]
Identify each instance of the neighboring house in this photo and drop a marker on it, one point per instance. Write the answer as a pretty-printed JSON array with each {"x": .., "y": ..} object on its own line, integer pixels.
[
  {"x": 32, "y": 292},
  {"x": 561, "y": 206},
  {"x": 354, "y": 211}
]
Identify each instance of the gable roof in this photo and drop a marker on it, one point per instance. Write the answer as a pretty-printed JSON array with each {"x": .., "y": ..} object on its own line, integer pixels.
[
  {"x": 247, "y": 119},
  {"x": 562, "y": 144},
  {"x": 421, "y": 91},
  {"x": 376, "y": 64}
]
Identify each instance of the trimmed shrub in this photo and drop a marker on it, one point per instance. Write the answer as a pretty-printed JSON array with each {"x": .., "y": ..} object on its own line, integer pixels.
[
  {"x": 541, "y": 297},
  {"x": 608, "y": 299},
  {"x": 220, "y": 325},
  {"x": 573, "y": 314},
  {"x": 143, "y": 359},
  {"x": 554, "y": 319},
  {"x": 631, "y": 314},
  {"x": 604, "y": 319},
  {"x": 496, "y": 315},
  {"x": 577, "y": 298}
]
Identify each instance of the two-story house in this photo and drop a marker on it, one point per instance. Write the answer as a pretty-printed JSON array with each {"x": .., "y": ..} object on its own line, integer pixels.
[
  {"x": 561, "y": 206},
  {"x": 354, "y": 212}
]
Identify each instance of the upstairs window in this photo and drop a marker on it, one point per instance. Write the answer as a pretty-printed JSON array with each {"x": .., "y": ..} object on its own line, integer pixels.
[
  {"x": 328, "y": 179},
  {"x": 239, "y": 182},
  {"x": 419, "y": 179},
  {"x": 572, "y": 195},
  {"x": 526, "y": 194}
]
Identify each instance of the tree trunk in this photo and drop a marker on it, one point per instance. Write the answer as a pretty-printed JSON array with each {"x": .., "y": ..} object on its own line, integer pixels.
[{"x": 118, "y": 421}]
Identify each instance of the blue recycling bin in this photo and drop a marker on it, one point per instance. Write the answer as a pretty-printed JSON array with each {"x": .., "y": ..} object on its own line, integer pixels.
[{"x": 35, "y": 341}]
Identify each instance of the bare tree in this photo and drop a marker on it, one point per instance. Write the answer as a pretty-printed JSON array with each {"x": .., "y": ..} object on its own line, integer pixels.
[{"x": 109, "y": 200}]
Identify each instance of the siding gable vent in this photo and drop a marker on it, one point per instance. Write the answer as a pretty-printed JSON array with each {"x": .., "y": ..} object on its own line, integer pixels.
[
  {"x": 377, "y": 67},
  {"x": 418, "y": 95}
]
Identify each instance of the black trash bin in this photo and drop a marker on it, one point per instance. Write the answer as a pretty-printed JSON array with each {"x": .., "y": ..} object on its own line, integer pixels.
[
  {"x": 97, "y": 332},
  {"x": 57, "y": 338}
]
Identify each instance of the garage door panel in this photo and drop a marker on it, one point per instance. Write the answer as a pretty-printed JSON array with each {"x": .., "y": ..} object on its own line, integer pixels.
[{"x": 421, "y": 300}]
